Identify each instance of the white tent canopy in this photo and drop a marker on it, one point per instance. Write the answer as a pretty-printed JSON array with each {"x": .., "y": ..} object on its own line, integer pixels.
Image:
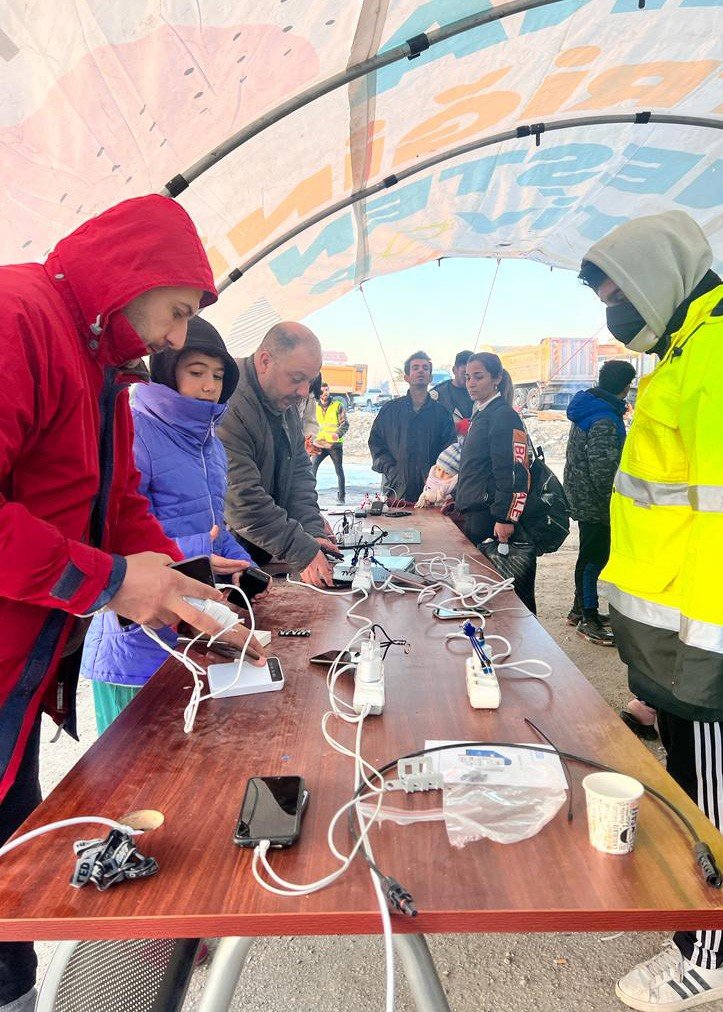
[{"x": 528, "y": 136}]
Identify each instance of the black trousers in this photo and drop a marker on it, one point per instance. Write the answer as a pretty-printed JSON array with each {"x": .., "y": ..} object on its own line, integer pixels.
[
  {"x": 18, "y": 962},
  {"x": 694, "y": 752},
  {"x": 336, "y": 452},
  {"x": 592, "y": 556}
]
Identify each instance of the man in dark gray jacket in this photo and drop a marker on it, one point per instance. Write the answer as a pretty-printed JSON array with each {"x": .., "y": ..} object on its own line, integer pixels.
[{"x": 271, "y": 504}]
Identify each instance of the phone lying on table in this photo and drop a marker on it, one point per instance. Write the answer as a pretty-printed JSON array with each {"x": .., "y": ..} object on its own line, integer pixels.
[
  {"x": 271, "y": 810},
  {"x": 329, "y": 656},
  {"x": 449, "y": 614}
]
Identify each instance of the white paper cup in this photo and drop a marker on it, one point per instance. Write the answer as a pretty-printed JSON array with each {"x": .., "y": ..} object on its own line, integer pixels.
[{"x": 612, "y": 811}]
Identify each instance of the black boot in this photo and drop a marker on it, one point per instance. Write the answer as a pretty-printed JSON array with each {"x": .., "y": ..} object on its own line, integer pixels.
[{"x": 591, "y": 629}]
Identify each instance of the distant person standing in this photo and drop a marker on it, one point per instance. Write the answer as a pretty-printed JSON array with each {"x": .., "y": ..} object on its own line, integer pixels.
[
  {"x": 410, "y": 432},
  {"x": 594, "y": 448},
  {"x": 452, "y": 393},
  {"x": 332, "y": 425}
]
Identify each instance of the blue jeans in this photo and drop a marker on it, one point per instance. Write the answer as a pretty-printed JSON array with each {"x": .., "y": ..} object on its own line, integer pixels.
[{"x": 18, "y": 962}]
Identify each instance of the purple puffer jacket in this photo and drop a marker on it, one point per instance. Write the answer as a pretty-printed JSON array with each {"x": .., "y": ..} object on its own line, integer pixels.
[{"x": 183, "y": 473}]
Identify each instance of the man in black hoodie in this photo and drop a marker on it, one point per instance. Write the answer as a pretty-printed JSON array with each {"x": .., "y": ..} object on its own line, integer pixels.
[{"x": 594, "y": 447}]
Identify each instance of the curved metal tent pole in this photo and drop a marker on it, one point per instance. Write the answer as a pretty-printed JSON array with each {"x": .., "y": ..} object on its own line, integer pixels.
[
  {"x": 406, "y": 51},
  {"x": 533, "y": 130}
]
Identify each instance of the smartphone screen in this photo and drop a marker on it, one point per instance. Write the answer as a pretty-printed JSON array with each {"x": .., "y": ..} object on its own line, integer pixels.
[
  {"x": 329, "y": 656},
  {"x": 271, "y": 810}
]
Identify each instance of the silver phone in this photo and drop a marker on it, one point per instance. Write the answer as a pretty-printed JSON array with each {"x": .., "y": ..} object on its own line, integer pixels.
[{"x": 451, "y": 614}]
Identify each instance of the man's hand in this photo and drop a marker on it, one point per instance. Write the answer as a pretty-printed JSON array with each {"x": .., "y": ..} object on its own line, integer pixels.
[
  {"x": 328, "y": 546},
  {"x": 153, "y": 594},
  {"x": 503, "y": 532},
  {"x": 318, "y": 573},
  {"x": 225, "y": 567},
  {"x": 237, "y": 637}
]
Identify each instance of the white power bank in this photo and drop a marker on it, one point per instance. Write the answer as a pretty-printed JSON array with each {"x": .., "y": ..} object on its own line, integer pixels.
[{"x": 223, "y": 680}]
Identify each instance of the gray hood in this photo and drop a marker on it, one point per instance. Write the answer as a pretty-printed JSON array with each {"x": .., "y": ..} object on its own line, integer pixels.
[{"x": 656, "y": 262}]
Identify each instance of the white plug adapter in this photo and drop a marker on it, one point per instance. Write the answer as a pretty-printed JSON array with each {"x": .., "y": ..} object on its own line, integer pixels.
[
  {"x": 363, "y": 575},
  {"x": 214, "y": 609},
  {"x": 369, "y": 679},
  {"x": 462, "y": 579}
]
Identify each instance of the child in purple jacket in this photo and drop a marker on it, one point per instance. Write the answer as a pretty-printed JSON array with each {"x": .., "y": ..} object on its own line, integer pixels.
[{"x": 183, "y": 473}]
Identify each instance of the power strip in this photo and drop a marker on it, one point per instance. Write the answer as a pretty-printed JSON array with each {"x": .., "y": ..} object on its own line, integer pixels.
[
  {"x": 369, "y": 679},
  {"x": 483, "y": 688}
]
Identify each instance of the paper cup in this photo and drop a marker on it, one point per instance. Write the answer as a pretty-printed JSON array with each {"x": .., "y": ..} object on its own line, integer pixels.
[{"x": 612, "y": 811}]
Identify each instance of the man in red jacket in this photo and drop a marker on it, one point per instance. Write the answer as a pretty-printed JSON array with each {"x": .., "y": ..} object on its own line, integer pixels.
[{"x": 75, "y": 533}]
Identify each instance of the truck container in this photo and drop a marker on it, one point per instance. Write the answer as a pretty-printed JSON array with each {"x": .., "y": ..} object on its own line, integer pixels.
[
  {"x": 345, "y": 381},
  {"x": 548, "y": 375}
]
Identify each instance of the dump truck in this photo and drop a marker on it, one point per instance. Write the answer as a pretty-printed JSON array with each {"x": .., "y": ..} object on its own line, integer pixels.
[
  {"x": 549, "y": 374},
  {"x": 345, "y": 381}
]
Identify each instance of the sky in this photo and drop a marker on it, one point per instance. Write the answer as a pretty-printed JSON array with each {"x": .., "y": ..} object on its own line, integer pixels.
[{"x": 438, "y": 307}]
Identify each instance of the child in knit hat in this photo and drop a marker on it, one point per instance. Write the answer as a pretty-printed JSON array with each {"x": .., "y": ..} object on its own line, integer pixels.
[{"x": 442, "y": 476}]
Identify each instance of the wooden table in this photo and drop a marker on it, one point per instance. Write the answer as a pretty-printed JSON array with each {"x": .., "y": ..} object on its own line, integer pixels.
[{"x": 553, "y": 882}]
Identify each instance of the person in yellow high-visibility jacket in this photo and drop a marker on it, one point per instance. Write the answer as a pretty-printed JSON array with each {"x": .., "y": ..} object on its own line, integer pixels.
[
  {"x": 331, "y": 419},
  {"x": 665, "y": 573}
]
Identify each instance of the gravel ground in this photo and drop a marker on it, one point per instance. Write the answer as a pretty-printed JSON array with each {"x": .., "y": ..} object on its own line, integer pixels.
[{"x": 480, "y": 973}]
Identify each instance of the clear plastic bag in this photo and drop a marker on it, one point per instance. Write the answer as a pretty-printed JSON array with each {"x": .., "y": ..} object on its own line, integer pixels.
[{"x": 475, "y": 809}]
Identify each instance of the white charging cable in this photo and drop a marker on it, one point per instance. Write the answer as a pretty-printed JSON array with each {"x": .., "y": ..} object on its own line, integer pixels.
[{"x": 80, "y": 820}]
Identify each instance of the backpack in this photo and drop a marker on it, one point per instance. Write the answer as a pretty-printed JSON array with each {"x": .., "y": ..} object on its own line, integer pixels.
[{"x": 546, "y": 517}]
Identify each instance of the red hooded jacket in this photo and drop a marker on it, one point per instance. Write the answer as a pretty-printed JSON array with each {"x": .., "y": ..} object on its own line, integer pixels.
[{"x": 62, "y": 339}]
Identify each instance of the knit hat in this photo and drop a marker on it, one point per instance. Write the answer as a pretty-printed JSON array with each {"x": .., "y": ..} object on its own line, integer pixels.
[
  {"x": 204, "y": 338},
  {"x": 448, "y": 459},
  {"x": 615, "y": 376}
]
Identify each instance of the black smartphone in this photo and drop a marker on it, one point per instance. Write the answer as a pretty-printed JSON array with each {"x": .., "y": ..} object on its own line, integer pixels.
[
  {"x": 198, "y": 567},
  {"x": 377, "y": 508},
  {"x": 253, "y": 581},
  {"x": 329, "y": 656},
  {"x": 271, "y": 810}
]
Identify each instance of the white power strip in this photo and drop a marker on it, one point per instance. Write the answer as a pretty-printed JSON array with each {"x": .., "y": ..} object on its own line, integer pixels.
[
  {"x": 369, "y": 679},
  {"x": 483, "y": 688}
]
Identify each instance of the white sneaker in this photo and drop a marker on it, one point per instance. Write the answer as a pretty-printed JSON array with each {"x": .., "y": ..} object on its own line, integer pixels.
[{"x": 668, "y": 983}]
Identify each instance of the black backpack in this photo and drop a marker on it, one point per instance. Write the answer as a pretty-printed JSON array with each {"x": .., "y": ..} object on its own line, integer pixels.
[{"x": 546, "y": 517}]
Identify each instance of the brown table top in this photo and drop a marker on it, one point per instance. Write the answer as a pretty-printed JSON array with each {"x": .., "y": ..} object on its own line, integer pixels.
[{"x": 552, "y": 882}]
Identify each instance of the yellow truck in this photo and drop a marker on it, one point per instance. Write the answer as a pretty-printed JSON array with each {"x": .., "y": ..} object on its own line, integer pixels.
[
  {"x": 345, "y": 381},
  {"x": 549, "y": 374}
]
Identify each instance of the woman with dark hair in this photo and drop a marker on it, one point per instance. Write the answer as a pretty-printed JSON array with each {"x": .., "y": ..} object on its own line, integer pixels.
[{"x": 494, "y": 474}]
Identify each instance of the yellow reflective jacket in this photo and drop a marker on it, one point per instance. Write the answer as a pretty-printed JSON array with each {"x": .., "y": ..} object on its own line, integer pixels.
[
  {"x": 329, "y": 420},
  {"x": 665, "y": 570}
]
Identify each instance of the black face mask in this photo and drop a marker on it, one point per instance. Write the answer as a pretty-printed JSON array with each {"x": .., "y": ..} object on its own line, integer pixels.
[{"x": 624, "y": 321}]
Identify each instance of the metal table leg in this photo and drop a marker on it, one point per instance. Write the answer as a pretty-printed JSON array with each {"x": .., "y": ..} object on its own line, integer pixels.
[
  {"x": 421, "y": 974},
  {"x": 224, "y": 972}
]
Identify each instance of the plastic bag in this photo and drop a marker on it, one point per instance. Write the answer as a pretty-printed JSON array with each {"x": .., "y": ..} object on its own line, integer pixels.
[{"x": 475, "y": 809}]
